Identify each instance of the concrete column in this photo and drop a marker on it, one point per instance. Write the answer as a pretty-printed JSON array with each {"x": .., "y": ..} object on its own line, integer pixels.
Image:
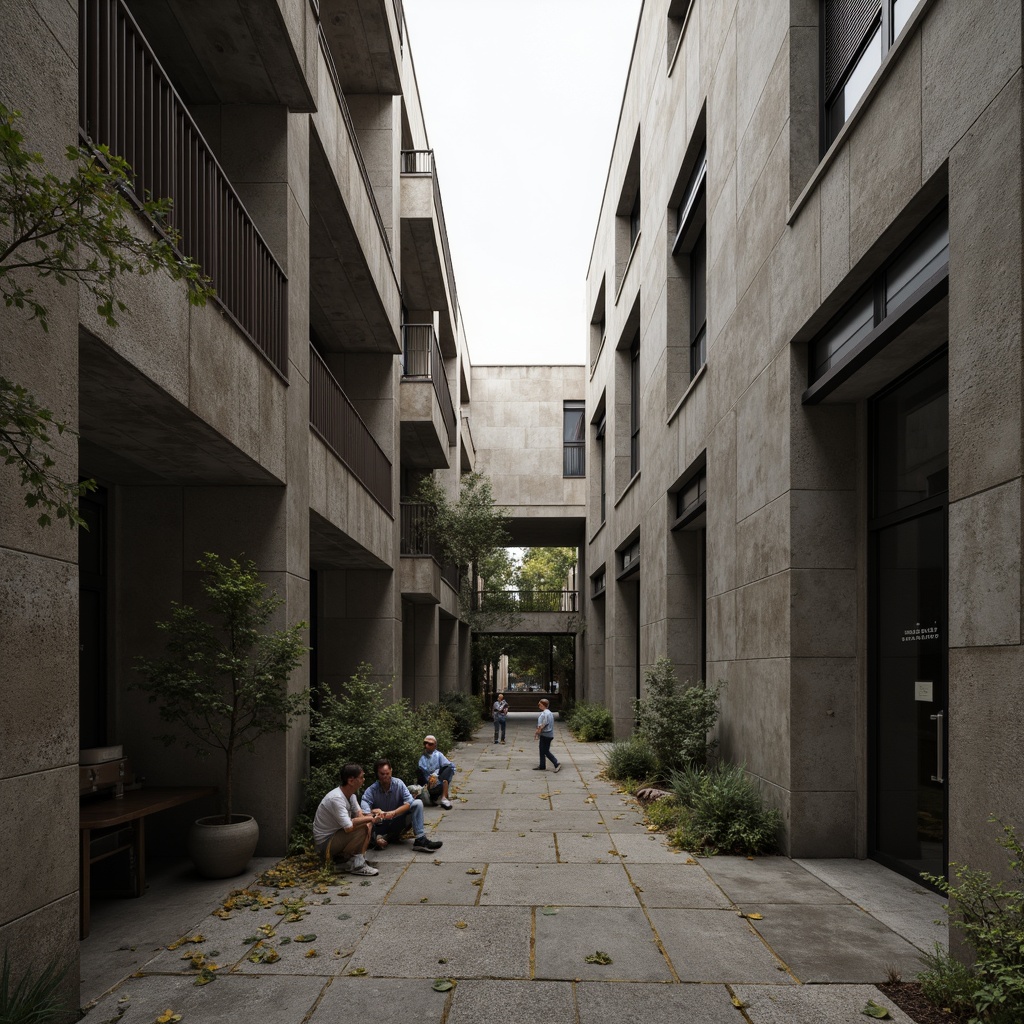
[
  {"x": 448, "y": 654},
  {"x": 420, "y": 682},
  {"x": 622, "y": 626}
]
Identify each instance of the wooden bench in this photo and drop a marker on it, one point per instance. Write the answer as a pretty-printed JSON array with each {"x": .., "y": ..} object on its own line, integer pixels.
[{"x": 105, "y": 815}]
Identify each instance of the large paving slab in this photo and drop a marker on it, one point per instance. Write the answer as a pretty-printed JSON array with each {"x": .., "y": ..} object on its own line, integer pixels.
[
  {"x": 410, "y": 942},
  {"x": 814, "y": 1004},
  {"x": 715, "y": 945},
  {"x": 769, "y": 880},
  {"x": 441, "y": 883},
  {"x": 648, "y": 848},
  {"x": 565, "y": 939},
  {"x": 277, "y": 1000},
  {"x": 516, "y": 1002},
  {"x": 543, "y": 819},
  {"x": 568, "y": 885},
  {"x": 374, "y": 999},
  {"x": 497, "y": 847},
  {"x": 676, "y": 885},
  {"x": 465, "y": 819},
  {"x": 688, "y": 1004},
  {"x": 829, "y": 944}
]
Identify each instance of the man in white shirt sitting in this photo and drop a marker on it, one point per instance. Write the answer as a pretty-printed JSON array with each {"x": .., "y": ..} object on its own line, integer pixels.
[{"x": 340, "y": 828}]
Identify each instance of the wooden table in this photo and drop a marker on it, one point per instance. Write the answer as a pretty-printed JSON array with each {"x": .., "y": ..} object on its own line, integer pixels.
[{"x": 134, "y": 807}]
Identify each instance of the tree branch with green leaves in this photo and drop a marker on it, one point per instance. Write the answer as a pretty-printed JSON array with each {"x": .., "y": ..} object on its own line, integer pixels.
[{"x": 79, "y": 229}]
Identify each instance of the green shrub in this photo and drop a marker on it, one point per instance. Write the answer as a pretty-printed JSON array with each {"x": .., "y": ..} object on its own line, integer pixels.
[
  {"x": 948, "y": 983},
  {"x": 726, "y": 812},
  {"x": 589, "y": 722},
  {"x": 466, "y": 711},
  {"x": 991, "y": 917},
  {"x": 35, "y": 999},
  {"x": 630, "y": 759},
  {"x": 667, "y": 815},
  {"x": 675, "y": 718}
]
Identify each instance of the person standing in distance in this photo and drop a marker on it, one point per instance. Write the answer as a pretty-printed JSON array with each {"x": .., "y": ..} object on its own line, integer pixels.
[
  {"x": 546, "y": 733},
  {"x": 499, "y": 711}
]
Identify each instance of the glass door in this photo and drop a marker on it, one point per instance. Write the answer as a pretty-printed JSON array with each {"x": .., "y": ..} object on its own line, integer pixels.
[
  {"x": 908, "y": 654},
  {"x": 910, "y": 694}
]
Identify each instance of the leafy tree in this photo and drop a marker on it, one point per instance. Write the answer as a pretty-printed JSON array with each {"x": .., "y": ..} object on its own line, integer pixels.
[
  {"x": 79, "y": 229},
  {"x": 473, "y": 534},
  {"x": 542, "y": 576},
  {"x": 223, "y": 677}
]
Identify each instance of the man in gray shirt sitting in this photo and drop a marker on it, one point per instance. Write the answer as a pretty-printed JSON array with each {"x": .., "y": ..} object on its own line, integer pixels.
[{"x": 393, "y": 809}]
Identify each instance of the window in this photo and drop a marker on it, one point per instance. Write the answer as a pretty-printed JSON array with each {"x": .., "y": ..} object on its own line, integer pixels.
[
  {"x": 690, "y": 250},
  {"x": 573, "y": 439},
  {"x": 856, "y": 35},
  {"x": 677, "y": 12},
  {"x": 627, "y": 214},
  {"x": 915, "y": 272},
  {"x": 634, "y": 220},
  {"x": 597, "y": 327},
  {"x": 629, "y": 559},
  {"x": 692, "y": 499},
  {"x": 598, "y": 584},
  {"x": 601, "y": 423},
  {"x": 634, "y": 408}
]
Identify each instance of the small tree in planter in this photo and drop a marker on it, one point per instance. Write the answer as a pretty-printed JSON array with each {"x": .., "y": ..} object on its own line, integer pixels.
[{"x": 223, "y": 677}]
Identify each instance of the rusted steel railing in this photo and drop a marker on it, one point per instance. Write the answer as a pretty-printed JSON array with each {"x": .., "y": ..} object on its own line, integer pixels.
[
  {"x": 421, "y": 360},
  {"x": 335, "y": 420},
  {"x": 126, "y": 102}
]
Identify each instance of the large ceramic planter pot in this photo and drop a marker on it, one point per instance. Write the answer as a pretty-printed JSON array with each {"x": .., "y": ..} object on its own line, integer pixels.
[{"x": 221, "y": 850}]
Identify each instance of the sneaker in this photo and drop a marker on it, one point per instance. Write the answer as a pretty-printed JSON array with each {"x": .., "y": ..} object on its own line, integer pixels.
[
  {"x": 558, "y": 767},
  {"x": 363, "y": 869},
  {"x": 540, "y": 769},
  {"x": 425, "y": 844},
  {"x": 446, "y": 803},
  {"x": 502, "y": 741}
]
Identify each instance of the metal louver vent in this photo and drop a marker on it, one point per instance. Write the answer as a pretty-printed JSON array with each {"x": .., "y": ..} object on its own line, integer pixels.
[{"x": 846, "y": 24}]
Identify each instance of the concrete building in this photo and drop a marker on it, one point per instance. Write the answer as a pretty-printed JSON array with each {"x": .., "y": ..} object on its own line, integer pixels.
[
  {"x": 286, "y": 421},
  {"x": 804, "y": 408}
]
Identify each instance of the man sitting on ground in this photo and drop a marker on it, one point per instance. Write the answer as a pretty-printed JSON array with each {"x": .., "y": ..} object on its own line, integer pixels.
[
  {"x": 393, "y": 810},
  {"x": 340, "y": 829},
  {"x": 435, "y": 772}
]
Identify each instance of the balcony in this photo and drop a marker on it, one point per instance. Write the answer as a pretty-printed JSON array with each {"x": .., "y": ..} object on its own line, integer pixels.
[
  {"x": 365, "y": 38},
  {"x": 127, "y": 103},
  {"x": 428, "y": 279},
  {"x": 533, "y": 611},
  {"x": 428, "y": 415},
  {"x": 333, "y": 418},
  {"x": 423, "y": 566}
]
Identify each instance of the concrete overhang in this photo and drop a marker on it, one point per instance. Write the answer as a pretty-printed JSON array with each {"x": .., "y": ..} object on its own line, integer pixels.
[
  {"x": 527, "y": 623},
  {"x": 424, "y": 273},
  {"x": 424, "y": 436},
  {"x": 420, "y": 579},
  {"x": 331, "y": 548},
  {"x": 365, "y": 39},
  {"x": 234, "y": 51},
  {"x": 449, "y": 600},
  {"x": 357, "y": 524},
  {"x": 355, "y": 302}
]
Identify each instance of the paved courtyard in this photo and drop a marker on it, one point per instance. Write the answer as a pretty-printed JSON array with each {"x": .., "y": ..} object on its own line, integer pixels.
[{"x": 538, "y": 873}]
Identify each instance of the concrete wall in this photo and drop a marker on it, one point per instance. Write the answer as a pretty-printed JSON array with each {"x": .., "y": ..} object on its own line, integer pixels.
[{"x": 790, "y": 238}]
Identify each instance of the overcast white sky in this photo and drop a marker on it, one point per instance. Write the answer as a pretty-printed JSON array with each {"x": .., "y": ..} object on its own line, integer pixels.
[{"x": 521, "y": 99}]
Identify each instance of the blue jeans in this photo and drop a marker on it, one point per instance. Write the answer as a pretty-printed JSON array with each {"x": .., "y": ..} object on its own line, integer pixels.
[
  {"x": 545, "y": 751},
  {"x": 396, "y": 826},
  {"x": 499, "y": 723}
]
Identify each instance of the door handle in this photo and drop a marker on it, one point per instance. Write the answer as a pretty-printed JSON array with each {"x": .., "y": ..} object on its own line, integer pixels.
[{"x": 939, "y": 720}]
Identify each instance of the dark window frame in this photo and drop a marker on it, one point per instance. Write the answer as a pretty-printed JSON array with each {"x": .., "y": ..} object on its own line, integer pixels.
[
  {"x": 574, "y": 455},
  {"x": 634, "y": 408},
  {"x": 602, "y": 424},
  {"x": 691, "y": 241}
]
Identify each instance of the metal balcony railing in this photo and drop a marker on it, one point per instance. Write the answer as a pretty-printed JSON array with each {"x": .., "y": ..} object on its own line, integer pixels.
[
  {"x": 528, "y": 600},
  {"x": 325, "y": 52},
  {"x": 416, "y": 540},
  {"x": 421, "y": 360},
  {"x": 421, "y": 161},
  {"x": 335, "y": 420},
  {"x": 127, "y": 103}
]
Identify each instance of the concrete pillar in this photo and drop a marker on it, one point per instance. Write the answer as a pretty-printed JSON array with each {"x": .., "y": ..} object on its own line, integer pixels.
[
  {"x": 622, "y": 628},
  {"x": 420, "y": 682},
  {"x": 448, "y": 654}
]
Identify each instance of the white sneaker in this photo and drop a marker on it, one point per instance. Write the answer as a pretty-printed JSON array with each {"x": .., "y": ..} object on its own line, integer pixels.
[
  {"x": 558, "y": 767},
  {"x": 446, "y": 804}
]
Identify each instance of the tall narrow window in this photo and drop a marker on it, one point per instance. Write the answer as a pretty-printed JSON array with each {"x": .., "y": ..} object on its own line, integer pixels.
[
  {"x": 573, "y": 439},
  {"x": 690, "y": 251},
  {"x": 634, "y": 408},
  {"x": 856, "y": 36},
  {"x": 698, "y": 304},
  {"x": 600, "y": 455},
  {"x": 634, "y": 220}
]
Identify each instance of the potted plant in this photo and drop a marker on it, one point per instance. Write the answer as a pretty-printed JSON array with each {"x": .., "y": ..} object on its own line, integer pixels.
[{"x": 223, "y": 680}]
